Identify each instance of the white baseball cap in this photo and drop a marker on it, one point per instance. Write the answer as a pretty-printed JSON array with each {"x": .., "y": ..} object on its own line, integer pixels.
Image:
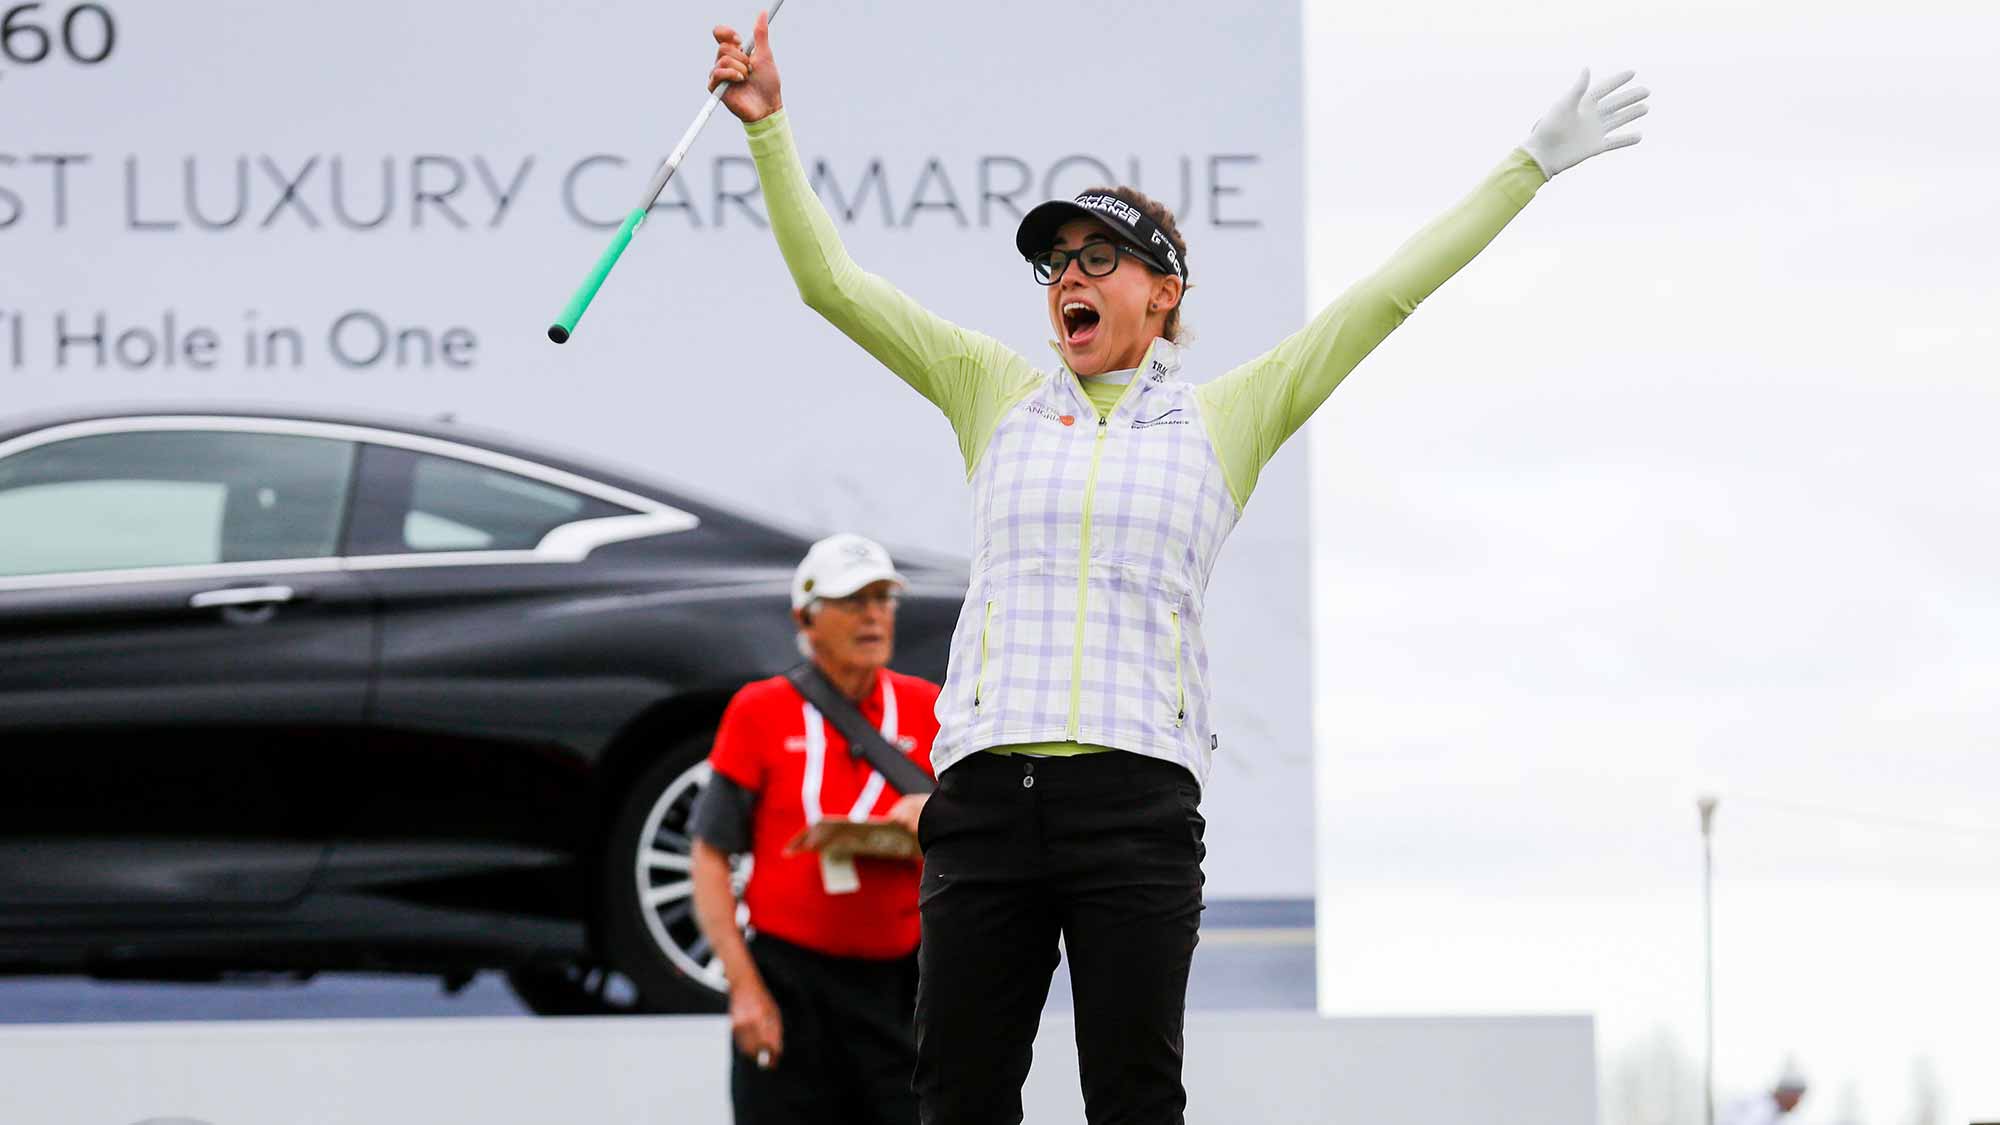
[{"x": 838, "y": 566}]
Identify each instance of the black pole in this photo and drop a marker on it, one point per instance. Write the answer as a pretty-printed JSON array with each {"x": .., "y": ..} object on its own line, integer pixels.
[{"x": 1707, "y": 807}]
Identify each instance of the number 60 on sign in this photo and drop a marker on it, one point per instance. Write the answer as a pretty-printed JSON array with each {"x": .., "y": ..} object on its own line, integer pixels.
[{"x": 31, "y": 34}]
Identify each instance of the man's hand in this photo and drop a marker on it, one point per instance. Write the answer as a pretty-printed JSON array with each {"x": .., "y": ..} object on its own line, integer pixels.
[
  {"x": 1580, "y": 124},
  {"x": 754, "y": 1022},
  {"x": 909, "y": 810},
  {"x": 753, "y": 93}
]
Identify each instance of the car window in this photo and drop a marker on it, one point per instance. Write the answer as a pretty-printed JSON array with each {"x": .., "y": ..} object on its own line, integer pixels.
[
  {"x": 170, "y": 498},
  {"x": 420, "y": 502}
]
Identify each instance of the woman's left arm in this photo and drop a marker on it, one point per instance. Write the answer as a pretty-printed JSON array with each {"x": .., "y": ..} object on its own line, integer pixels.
[{"x": 1251, "y": 411}]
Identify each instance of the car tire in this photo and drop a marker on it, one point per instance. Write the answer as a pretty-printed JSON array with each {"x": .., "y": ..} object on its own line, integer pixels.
[
  {"x": 646, "y": 888},
  {"x": 570, "y": 989}
]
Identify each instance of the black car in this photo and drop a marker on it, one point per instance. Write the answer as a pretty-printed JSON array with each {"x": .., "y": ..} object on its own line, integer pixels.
[{"x": 284, "y": 691}]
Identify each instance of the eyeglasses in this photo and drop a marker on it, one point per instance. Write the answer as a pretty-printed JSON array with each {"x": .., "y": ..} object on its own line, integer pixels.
[
  {"x": 856, "y": 603},
  {"x": 1095, "y": 259}
]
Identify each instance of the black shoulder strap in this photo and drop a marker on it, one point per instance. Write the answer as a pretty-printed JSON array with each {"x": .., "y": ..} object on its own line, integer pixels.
[{"x": 862, "y": 738}]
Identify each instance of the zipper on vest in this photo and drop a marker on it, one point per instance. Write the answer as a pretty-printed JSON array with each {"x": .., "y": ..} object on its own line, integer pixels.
[
  {"x": 979, "y": 682},
  {"x": 1083, "y": 580},
  {"x": 1180, "y": 685}
]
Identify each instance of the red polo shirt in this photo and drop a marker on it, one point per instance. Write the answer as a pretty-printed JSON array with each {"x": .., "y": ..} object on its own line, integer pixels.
[{"x": 776, "y": 745}]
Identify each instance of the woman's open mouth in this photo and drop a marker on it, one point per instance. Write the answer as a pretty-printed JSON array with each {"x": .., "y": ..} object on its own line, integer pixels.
[{"x": 1079, "y": 322}]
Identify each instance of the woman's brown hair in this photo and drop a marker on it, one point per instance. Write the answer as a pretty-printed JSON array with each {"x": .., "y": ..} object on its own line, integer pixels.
[{"x": 1158, "y": 212}]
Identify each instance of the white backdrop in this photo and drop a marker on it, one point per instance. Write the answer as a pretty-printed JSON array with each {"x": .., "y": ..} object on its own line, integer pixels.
[{"x": 145, "y": 216}]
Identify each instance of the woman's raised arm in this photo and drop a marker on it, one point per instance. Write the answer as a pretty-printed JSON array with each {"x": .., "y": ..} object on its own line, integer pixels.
[
  {"x": 966, "y": 374},
  {"x": 1253, "y": 409}
]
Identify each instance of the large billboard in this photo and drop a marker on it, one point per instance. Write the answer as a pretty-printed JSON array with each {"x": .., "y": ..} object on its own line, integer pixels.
[{"x": 384, "y": 205}]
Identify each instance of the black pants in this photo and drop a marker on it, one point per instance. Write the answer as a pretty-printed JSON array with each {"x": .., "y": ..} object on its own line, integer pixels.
[
  {"x": 849, "y": 1048},
  {"x": 1103, "y": 850}
]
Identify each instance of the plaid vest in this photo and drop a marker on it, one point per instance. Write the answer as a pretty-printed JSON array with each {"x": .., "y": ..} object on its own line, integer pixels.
[{"x": 1093, "y": 544}]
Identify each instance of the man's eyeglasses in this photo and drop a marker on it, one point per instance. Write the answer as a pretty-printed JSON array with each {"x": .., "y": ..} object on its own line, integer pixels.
[
  {"x": 856, "y": 603},
  {"x": 1095, "y": 259}
]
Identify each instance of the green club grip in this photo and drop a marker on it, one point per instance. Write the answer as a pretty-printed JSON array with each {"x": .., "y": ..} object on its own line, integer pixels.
[{"x": 580, "y": 300}]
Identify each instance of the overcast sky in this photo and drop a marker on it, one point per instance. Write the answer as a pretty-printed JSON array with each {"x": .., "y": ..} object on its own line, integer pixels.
[{"x": 1687, "y": 484}]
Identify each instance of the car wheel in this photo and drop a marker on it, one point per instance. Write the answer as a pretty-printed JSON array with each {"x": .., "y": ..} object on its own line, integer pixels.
[
  {"x": 573, "y": 990},
  {"x": 647, "y": 904}
]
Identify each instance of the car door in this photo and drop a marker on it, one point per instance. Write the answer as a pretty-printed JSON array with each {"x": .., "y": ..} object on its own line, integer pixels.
[
  {"x": 181, "y": 654},
  {"x": 492, "y": 689}
]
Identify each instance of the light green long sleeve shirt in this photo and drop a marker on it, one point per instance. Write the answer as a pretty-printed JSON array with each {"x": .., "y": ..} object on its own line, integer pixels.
[{"x": 1248, "y": 412}]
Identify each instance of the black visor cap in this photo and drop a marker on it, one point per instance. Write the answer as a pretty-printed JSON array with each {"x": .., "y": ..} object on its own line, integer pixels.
[{"x": 1038, "y": 228}]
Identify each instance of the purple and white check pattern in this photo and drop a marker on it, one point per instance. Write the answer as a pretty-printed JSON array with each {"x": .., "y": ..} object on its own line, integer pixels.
[{"x": 1160, "y": 514}]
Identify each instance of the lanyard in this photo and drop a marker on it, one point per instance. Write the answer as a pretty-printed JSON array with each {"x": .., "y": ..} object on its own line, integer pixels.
[{"x": 816, "y": 759}]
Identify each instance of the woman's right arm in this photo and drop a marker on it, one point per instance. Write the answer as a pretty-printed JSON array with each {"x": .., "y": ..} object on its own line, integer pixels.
[
  {"x": 907, "y": 338},
  {"x": 969, "y": 376}
]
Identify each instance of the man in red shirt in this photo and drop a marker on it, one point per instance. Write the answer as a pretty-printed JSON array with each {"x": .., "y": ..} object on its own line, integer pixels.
[{"x": 822, "y": 995}]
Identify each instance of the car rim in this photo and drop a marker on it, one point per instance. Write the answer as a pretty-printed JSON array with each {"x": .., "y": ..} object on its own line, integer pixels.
[{"x": 664, "y": 870}]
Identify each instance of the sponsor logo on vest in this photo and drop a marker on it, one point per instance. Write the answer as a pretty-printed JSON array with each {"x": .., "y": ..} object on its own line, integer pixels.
[
  {"x": 1041, "y": 410},
  {"x": 1159, "y": 372},
  {"x": 1167, "y": 419}
]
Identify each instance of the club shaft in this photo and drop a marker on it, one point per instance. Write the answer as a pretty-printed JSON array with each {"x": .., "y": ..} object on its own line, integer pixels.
[{"x": 674, "y": 158}]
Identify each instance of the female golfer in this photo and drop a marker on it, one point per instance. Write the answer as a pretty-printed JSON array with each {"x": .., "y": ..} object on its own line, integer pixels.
[{"x": 1074, "y": 723}]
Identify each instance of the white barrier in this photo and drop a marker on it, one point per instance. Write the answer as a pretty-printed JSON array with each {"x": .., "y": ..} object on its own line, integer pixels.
[{"x": 1250, "y": 1067}]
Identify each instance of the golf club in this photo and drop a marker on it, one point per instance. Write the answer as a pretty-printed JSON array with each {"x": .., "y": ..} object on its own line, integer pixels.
[{"x": 580, "y": 300}]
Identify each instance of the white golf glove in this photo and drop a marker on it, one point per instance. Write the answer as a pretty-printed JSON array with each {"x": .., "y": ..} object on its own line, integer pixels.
[{"x": 1580, "y": 124}]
